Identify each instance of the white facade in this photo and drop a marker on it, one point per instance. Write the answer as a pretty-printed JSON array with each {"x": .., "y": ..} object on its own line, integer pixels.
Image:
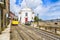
[{"x": 26, "y": 14}]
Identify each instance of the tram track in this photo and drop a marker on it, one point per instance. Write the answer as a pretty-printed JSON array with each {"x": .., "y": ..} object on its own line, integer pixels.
[
  {"x": 19, "y": 33},
  {"x": 30, "y": 34},
  {"x": 27, "y": 36},
  {"x": 44, "y": 34}
]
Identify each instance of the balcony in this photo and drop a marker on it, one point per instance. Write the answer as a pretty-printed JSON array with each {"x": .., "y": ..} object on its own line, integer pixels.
[{"x": 2, "y": 3}]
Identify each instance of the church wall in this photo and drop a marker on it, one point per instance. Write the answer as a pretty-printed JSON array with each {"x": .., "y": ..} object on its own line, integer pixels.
[
  {"x": 23, "y": 17},
  {"x": 19, "y": 17},
  {"x": 30, "y": 16},
  {"x": 33, "y": 15}
]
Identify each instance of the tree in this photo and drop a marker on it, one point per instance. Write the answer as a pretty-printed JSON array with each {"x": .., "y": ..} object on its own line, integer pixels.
[
  {"x": 40, "y": 20},
  {"x": 36, "y": 19}
]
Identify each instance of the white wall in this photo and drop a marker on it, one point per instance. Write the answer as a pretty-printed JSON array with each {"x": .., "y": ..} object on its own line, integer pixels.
[
  {"x": 33, "y": 17},
  {"x": 19, "y": 17},
  {"x": 23, "y": 17},
  {"x": 30, "y": 15}
]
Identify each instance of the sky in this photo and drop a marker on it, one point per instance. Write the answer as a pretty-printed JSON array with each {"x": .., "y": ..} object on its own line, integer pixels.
[{"x": 47, "y": 9}]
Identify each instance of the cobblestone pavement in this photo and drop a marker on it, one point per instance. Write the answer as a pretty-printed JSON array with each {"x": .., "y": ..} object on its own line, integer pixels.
[{"x": 23, "y": 32}]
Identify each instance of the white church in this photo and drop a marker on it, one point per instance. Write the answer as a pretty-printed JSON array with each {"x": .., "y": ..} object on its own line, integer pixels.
[{"x": 26, "y": 15}]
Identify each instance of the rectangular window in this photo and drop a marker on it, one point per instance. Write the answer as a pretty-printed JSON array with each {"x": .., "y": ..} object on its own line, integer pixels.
[
  {"x": 2, "y": 0},
  {"x": 26, "y": 14}
]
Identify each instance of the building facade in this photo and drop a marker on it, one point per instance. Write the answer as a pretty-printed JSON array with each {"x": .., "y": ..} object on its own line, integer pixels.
[
  {"x": 26, "y": 15},
  {"x": 12, "y": 15},
  {"x": 0, "y": 17},
  {"x": 4, "y": 11}
]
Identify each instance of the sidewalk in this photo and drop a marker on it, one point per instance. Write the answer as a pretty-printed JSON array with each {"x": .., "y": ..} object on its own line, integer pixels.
[{"x": 5, "y": 34}]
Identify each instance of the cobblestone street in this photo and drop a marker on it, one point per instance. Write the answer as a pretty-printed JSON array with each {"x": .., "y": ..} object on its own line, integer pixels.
[{"x": 23, "y": 32}]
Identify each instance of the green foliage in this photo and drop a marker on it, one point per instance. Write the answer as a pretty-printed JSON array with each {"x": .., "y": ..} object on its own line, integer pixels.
[
  {"x": 40, "y": 20},
  {"x": 36, "y": 18}
]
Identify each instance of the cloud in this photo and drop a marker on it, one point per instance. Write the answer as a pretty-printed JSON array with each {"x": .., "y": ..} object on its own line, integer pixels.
[
  {"x": 33, "y": 3},
  {"x": 12, "y": 2},
  {"x": 14, "y": 8},
  {"x": 46, "y": 11},
  {"x": 50, "y": 12},
  {"x": 23, "y": 4}
]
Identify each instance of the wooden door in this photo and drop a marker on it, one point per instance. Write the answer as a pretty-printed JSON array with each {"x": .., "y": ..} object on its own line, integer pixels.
[{"x": 26, "y": 19}]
